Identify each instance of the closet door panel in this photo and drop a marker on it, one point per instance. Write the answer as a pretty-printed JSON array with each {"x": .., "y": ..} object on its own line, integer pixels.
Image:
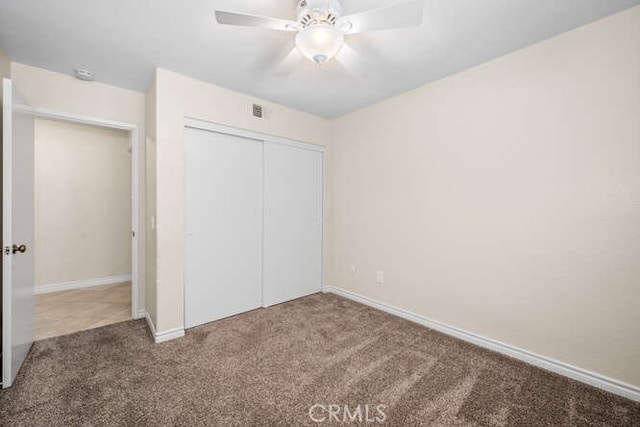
[
  {"x": 223, "y": 226},
  {"x": 292, "y": 262}
]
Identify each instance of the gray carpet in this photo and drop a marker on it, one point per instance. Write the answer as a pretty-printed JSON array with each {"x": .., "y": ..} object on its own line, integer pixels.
[{"x": 269, "y": 366}]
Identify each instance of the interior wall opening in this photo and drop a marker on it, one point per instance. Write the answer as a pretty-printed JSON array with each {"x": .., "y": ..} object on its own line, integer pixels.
[{"x": 83, "y": 229}]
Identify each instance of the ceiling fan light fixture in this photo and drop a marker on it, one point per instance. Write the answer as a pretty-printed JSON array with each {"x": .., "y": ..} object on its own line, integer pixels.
[{"x": 319, "y": 42}]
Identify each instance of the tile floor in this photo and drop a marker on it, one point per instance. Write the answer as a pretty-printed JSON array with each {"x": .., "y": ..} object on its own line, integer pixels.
[{"x": 65, "y": 312}]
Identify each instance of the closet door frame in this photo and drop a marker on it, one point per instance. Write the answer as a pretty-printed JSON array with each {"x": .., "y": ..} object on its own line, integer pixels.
[{"x": 243, "y": 133}]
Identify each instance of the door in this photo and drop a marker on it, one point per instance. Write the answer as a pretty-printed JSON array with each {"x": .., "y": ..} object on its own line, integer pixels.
[
  {"x": 223, "y": 224},
  {"x": 17, "y": 232},
  {"x": 292, "y": 222}
]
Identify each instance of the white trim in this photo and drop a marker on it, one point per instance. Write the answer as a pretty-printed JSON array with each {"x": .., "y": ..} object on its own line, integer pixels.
[
  {"x": 79, "y": 284},
  {"x": 135, "y": 202},
  {"x": 158, "y": 338},
  {"x": 75, "y": 118},
  {"x": 596, "y": 380},
  {"x": 228, "y": 130}
]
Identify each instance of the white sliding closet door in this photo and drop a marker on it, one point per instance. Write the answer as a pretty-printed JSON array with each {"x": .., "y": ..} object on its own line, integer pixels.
[
  {"x": 223, "y": 225},
  {"x": 292, "y": 265}
]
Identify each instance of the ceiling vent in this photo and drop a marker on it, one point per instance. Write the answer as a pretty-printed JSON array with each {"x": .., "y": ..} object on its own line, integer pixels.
[{"x": 257, "y": 111}]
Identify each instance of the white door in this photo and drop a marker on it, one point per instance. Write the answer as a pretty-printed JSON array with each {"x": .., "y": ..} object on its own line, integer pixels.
[
  {"x": 223, "y": 257},
  {"x": 292, "y": 222},
  {"x": 17, "y": 233}
]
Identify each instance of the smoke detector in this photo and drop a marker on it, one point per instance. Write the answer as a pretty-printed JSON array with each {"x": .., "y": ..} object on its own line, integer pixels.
[{"x": 84, "y": 75}]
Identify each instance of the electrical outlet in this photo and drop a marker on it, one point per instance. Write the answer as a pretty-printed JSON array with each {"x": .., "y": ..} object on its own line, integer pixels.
[
  {"x": 380, "y": 276},
  {"x": 353, "y": 269}
]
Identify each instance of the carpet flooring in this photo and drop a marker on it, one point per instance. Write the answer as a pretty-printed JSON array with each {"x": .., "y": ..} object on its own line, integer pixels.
[{"x": 271, "y": 366}]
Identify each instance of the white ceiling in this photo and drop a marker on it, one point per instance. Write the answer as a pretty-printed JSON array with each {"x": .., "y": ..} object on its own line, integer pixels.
[{"x": 122, "y": 41}]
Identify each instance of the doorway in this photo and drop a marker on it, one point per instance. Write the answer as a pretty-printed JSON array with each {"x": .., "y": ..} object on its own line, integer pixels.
[
  {"x": 18, "y": 264},
  {"x": 82, "y": 218}
]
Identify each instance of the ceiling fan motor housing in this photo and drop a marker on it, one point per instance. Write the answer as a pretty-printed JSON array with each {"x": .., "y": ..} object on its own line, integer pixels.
[{"x": 319, "y": 12}]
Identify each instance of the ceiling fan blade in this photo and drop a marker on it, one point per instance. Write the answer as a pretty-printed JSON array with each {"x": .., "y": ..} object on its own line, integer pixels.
[
  {"x": 256, "y": 21},
  {"x": 351, "y": 61},
  {"x": 400, "y": 15}
]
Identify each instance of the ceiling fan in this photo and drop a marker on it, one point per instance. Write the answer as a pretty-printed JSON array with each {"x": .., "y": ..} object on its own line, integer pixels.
[{"x": 320, "y": 27}]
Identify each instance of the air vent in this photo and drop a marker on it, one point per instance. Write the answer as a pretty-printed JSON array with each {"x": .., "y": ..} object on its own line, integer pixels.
[{"x": 257, "y": 111}]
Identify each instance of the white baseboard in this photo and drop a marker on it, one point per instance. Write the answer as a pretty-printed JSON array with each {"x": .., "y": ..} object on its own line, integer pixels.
[
  {"x": 79, "y": 284},
  {"x": 164, "y": 336},
  {"x": 142, "y": 313},
  {"x": 596, "y": 380}
]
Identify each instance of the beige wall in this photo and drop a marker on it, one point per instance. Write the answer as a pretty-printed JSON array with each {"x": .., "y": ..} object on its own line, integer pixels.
[
  {"x": 179, "y": 97},
  {"x": 64, "y": 93},
  {"x": 505, "y": 200},
  {"x": 82, "y": 202},
  {"x": 5, "y": 64}
]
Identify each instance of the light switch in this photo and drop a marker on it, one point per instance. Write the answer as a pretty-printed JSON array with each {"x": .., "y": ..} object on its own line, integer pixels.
[
  {"x": 353, "y": 269},
  {"x": 380, "y": 276}
]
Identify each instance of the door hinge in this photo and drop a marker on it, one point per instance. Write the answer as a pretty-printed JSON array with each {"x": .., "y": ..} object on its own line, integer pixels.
[{"x": 7, "y": 250}]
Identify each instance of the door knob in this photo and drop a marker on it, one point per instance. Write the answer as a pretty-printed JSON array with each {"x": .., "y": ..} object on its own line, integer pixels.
[{"x": 22, "y": 249}]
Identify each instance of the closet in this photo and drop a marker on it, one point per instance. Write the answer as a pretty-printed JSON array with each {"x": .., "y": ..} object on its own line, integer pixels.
[{"x": 253, "y": 222}]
